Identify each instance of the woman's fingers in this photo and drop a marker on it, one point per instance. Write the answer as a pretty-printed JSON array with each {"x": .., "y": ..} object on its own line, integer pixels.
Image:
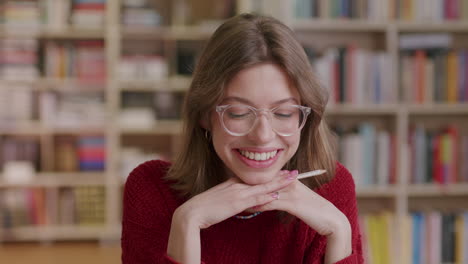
[{"x": 282, "y": 180}]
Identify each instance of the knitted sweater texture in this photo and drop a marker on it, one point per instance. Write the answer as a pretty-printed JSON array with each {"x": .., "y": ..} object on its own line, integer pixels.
[{"x": 149, "y": 203}]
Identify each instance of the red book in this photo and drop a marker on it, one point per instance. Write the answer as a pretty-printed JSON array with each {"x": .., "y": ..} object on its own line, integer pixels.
[
  {"x": 453, "y": 163},
  {"x": 89, "y": 6},
  {"x": 336, "y": 77},
  {"x": 436, "y": 163},
  {"x": 91, "y": 153}
]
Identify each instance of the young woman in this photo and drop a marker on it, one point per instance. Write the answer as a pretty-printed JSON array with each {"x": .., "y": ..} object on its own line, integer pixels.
[{"x": 252, "y": 122}]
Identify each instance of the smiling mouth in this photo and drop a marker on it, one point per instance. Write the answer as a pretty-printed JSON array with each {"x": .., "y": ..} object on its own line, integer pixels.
[{"x": 258, "y": 156}]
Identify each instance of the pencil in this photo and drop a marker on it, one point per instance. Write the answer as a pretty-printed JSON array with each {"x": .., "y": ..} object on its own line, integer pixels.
[{"x": 310, "y": 174}]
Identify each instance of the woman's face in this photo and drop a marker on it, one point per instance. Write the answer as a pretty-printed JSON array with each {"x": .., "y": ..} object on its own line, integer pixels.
[{"x": 262, "y": 86}]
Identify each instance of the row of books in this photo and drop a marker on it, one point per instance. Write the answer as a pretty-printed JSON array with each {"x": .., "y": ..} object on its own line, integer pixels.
[
  {"x": 83, "y": 60},
  {"x": 17, "y": 105},
  {"x": 142, "y": 67},
  {"x": 436, "y": 237},
  {"x": 20, "y": 15},
  {"x": 140, "y": 13},
  {"x": 131, "y": 157},
  {"x": 355, "y": 76},
  {"x": 20, "y": 148},
  {"x": 80, "y": 153},
  {"x": 434, "y": 76},
  {"x": 438, "y": 156},
  {"x": 19, "y": 59},
  {"x": 84, "y": 205},
  {"x": 431, "y": 237},
  {"x": 369, "y": 154},
  {"x": 73, "y": 109},
  {"x": 408, "y": 10},
  {"x": 162, "y": 104}
]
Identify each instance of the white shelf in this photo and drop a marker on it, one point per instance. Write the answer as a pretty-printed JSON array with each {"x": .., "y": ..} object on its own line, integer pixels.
[
  {"x": 71, "y": 32},
  {"x": 175, "y": 83},
  {"x": 349, "y": 109},
  {"x": 22, "y": 127},
  {"x": 51, "y": 233},
  {"x": 162, "y": 127},
  {"x": 53, "y": 84},
  {"x": 60, "y": 179},
  {"x": 431, "y": 26},
  {"x": 376, "y": 191},
  {"x": 421, "y": 190},
  {"x": 438, "y": 109},
  {"x": 344, "y": 25}
]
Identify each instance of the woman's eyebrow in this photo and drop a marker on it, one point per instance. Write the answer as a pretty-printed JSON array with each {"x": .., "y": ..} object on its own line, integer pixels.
[{"x": 246, "y": 101}]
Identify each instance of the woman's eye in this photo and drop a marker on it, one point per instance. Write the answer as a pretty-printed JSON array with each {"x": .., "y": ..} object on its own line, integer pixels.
[
  {"x": 283, "y": 114},
  {"x": 238, "y": 114}
]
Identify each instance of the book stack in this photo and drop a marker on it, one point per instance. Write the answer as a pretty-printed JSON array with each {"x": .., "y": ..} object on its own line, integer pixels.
[
  {"x": 143, "y": 67},
  {"x": 368, "y": 153},
  {"x": 20, "y": 148},
  {"x": 91, "y": 153},
  {"x": 355, "y": 76},
  {"x": 72, "y": 109},
  {"x": 21, "y": 16},
  {"x": 83, "y": 60},
  {"x": 18, "y": 58},
  {"x": 438, "y": 156},
  {"x": 88, "y": 14},
  {"x": 17, "y": 105},
  {"x": 140, "y": 14}
]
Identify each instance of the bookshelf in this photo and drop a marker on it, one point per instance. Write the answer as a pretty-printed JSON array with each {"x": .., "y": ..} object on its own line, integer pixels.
[{"x": 169, "y": 40}]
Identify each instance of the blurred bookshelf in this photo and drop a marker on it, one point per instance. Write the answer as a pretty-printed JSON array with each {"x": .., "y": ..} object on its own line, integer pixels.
[{"x": 115, "y": 73}]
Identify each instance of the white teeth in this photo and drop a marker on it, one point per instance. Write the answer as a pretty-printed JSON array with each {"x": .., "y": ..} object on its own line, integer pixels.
[{"x": 258, "y": 155}]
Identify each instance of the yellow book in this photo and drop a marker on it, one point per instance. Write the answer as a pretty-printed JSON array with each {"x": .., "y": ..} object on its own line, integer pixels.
[
  {"x": 452, "y": 77},
  {"x": 459, "y": 242},
  {"x": 406, "y": 239},
  {"x": 384, "y": 221}
]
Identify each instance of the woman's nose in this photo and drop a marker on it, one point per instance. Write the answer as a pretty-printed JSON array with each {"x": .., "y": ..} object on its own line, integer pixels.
[{"x": 262, "y": 131}]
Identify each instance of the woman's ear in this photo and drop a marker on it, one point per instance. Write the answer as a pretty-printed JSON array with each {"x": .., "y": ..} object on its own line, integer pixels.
[{"x": 205, "y": 122}]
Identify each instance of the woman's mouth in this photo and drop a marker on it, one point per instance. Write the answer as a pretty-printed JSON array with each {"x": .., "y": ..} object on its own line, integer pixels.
[{"x": 258, "y": 159}]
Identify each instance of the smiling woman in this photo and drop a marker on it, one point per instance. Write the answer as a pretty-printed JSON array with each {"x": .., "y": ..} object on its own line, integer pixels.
[{"x": 252, "y": 121}]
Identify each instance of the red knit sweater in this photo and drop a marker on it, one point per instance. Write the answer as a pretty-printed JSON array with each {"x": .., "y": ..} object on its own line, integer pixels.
[{"x": 149, "y": 203}]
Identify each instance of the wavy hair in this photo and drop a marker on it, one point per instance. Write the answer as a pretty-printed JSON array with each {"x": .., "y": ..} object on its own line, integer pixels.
[{"x": 239, "y": 43}]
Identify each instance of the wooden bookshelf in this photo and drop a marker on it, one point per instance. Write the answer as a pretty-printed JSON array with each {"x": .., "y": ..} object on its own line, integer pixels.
[{"x": 323, "y": 32}]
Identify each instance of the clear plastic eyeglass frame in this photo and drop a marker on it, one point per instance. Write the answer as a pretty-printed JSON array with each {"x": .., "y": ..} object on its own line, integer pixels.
[{"x": 221, "y": 109}]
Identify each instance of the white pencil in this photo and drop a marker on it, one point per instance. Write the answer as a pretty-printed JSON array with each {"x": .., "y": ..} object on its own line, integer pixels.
[{"x": 310, "y": 174}]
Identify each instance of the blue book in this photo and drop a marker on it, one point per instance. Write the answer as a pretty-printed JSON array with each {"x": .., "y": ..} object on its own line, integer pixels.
[
  {"x": 416, "y": 217},
  {"x": 368, "y": 134}
]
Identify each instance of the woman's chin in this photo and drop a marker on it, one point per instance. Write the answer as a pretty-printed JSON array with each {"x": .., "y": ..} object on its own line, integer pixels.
[{"x": 256, "y": 178}]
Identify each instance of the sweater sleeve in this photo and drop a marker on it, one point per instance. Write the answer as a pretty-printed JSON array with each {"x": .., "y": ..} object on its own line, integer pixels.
[
  {"x": 341, "y": 192},
  {"x": 146, "y": 217}
]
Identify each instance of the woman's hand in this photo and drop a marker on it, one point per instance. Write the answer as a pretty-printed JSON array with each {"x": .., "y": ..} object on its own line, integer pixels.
[
  {"x": 230, "y": 198},
  {"x": 213, "y": 206},
  {"x": 317, "y": 212}
]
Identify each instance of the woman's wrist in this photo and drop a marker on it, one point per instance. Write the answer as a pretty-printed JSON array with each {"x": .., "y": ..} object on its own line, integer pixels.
[
  {"x": 184, "y": 238},
  {"x": 339, "y": 241}
]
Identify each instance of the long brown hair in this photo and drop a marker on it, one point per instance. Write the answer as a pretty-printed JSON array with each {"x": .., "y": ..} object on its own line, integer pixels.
[{"x": 241, "y": 42}]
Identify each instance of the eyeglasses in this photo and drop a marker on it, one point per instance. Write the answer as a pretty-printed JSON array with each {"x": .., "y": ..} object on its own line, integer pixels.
[{"x": 285, "y": 120}]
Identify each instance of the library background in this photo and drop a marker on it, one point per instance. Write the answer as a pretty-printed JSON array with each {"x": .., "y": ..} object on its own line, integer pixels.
[{"x": 91, "y": 88}]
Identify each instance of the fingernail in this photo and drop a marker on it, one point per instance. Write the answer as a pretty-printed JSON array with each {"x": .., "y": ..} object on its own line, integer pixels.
[
  {"x": 275, "y": 195},
  {"x": 293, "y": 174}
]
